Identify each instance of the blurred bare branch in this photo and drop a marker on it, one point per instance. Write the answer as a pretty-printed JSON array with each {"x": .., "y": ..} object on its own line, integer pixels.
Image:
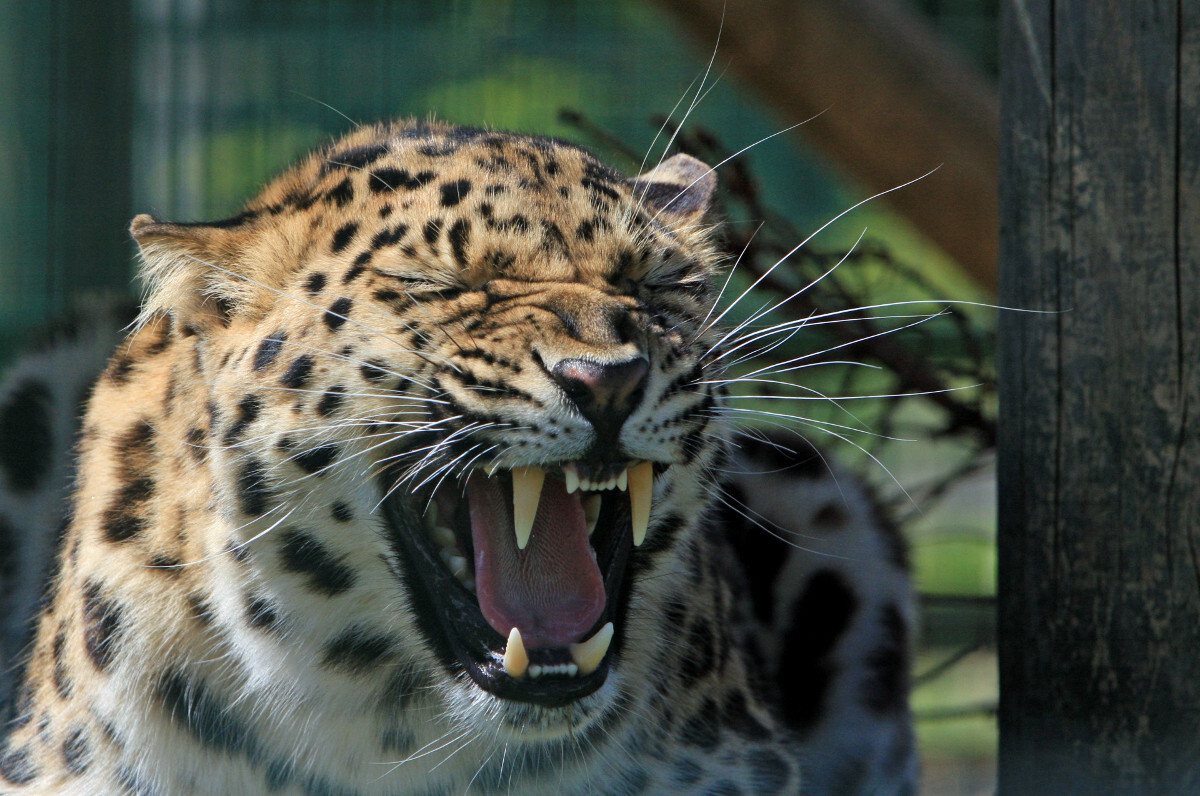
[{"x": 890, "y": 101}]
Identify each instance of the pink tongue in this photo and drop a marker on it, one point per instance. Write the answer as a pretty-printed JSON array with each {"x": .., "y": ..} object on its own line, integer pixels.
[{"x": 552, "y": 590}]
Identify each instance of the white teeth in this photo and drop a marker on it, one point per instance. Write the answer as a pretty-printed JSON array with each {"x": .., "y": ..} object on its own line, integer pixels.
[
  {"x": 444, "y": 536},
  {"x": 618, "y": 481},
  {"x": 516, "y": 660},
  {"x": 641, "y": 492},
  {"x": 571, "y": 478},
  {"x": 588, "y": 654},
  {"x": 447, "y": 547},
  {"x": 527, "y": 489},
  {"x": 591, "y": 511},
  {"x": 454, "y": 562},
  {"x": 457, "y": 565},
  {"x": 568, "y": 669}
]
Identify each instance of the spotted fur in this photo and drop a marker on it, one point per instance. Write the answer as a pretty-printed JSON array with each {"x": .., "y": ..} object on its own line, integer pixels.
[{"x": 234, "y": 612}]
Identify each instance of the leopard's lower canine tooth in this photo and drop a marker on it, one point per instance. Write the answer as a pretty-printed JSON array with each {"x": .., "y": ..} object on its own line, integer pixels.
[
  {"x": 623, "y": 480},
  {"x": 516, "y": 660},
  {"x": 641, "y": 493},
  {"x": 527, "y": 489},
  {"x": 588, "y": 654}
]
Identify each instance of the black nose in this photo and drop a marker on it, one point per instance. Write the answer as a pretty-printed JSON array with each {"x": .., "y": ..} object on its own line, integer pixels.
[{"x": 606, "y": 394}]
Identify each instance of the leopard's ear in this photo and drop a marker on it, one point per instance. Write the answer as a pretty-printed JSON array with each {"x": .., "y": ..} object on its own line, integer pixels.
[
  {"x": 679, "y": 190},
  {"x": 192, "y": 272}
]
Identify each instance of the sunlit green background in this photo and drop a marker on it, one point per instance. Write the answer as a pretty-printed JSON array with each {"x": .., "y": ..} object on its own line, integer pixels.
[{"x": 201, "y": 101}]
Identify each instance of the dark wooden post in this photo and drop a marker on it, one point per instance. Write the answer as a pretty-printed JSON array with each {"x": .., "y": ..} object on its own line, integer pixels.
[{"x": 1100, "y": 402}]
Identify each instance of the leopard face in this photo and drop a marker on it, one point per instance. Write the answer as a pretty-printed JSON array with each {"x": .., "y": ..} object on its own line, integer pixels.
[{"x": 466, "y": 371}]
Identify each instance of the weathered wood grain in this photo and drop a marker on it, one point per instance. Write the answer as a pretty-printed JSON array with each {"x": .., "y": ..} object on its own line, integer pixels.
[{"x": 1100, "y": 431}]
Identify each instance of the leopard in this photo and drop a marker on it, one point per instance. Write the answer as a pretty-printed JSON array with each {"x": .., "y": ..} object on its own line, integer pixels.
[{"x": 413, "y": 477}]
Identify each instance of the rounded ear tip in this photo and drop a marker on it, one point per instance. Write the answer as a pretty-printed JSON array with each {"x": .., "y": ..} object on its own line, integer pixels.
[
  {"x": 685, "y": 162},
  {"x": 684, "y": 168},
  {"x": 696, "y": 173},
  {"x": 141, "y": 223}
]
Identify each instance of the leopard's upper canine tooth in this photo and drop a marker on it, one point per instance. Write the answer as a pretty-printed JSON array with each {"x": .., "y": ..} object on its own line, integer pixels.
[
  {"x": 588, "y": 654},
  {"x": 431, "y": 514},
  {"x": 571, "y": 478},
  {"x": 527, "y": 489},
  {"x": 516, "y": 660},
  {"x": 623, "y": 480},
  {"x": 591, "y": 511},
  {"x": 641, "y": 493}
]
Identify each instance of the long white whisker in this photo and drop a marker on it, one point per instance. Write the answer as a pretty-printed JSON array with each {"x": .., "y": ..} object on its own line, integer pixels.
[
  {"x": 357, "y": 124},
  {"x": 823, "y": 425},
  {"x": 806, "y": 322},
  {"x": 744, "y": 149},
  {"x": 850, "y": 397},
  {"x": 816, "y": 232},
  {"x": 845, "y": 256},
  {"x": 778, "y": 367},
  {"x": 753, "y": 338},
  {"x": 766, "y": 525},
  {"x": 791, "y": 385},
  {"x": 667, "y": 120},
  {"x": 695, "y": 100},
  {"x": 761, "y": 312},
  {"x": 728, "y": 276}
]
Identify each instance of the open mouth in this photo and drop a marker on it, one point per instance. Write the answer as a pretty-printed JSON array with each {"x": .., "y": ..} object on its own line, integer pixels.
[{"x": 519, "y": 576}]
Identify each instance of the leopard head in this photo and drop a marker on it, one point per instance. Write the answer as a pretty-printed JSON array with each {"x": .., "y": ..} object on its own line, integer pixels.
[{"x": 490, "y": 351}]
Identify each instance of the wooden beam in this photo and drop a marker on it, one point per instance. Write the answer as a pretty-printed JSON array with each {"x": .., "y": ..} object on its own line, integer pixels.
[
  {"x": 896, "y": 103},
  {"x": 1099, "y": 456}
]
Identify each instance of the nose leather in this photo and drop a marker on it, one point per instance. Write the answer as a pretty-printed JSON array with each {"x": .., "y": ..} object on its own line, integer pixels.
[{"x": 605, "y": 393}]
